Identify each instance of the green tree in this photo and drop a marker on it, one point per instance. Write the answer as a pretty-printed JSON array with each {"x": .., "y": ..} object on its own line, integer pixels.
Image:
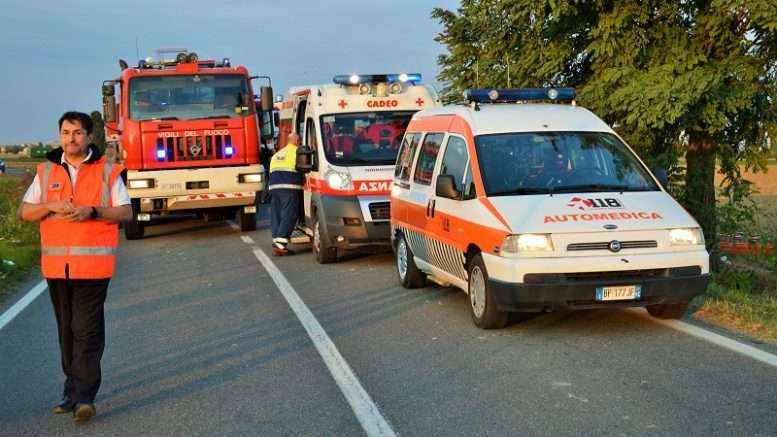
[
  {"x": 693, "y": 78},
  {"x": 98, "y": 133}
]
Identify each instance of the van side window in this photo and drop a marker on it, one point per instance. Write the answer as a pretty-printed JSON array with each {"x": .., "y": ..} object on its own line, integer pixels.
[
  {"x": 454, "y": 161},
  {"x": 427, "y": 158},
  {"x": 406, "y": 154}
]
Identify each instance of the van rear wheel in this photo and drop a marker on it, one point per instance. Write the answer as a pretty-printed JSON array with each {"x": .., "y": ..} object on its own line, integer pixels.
[
  {"x": 668, "y": 310},
  {"x": 410, "y": 276},
  {"x": 483, "y": 308}
]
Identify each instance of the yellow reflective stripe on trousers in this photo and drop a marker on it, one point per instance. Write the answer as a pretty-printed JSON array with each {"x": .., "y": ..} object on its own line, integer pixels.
[
  {"x": 44, "y": 182},
  {"x": 106, "y": 191},
  {"x": 78, "y": 250}
]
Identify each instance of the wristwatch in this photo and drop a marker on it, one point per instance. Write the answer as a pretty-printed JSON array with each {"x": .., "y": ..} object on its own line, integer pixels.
[{"x": 94, "y": 214}]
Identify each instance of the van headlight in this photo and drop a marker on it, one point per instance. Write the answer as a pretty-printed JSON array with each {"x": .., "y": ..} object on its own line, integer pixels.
[
  {"x": 339, "y": 181},
  {"x": 686, "y": 237},
  {"x": 526, "y": 243},
  {"x": 140, "y": 183}
]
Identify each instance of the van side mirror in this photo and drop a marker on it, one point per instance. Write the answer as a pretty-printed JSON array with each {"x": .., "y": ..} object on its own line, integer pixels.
[
  {"x": 305, "y": 159},
  {"x": 109, "y": 102},
  {"x": 266, "y": 99},
  {"x": 662, "y": 177},
  {"x": 446, "y": 187}
]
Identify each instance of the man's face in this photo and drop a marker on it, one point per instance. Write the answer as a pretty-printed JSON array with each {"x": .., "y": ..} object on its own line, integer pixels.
[{"x": 74, "y": 137}]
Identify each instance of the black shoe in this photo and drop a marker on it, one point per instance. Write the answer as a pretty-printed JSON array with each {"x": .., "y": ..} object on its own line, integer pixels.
[
  {"x": 83, "y": 412},
  {"x": 65, "y": 407}
]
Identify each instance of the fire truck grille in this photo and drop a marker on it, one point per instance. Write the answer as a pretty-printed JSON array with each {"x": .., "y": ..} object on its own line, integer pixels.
[
  {"x": 379, "y": 211},
  {"x": 194, "y": 148}
]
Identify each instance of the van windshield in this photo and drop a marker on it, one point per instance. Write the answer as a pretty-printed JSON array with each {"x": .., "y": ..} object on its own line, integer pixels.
[
  {"x": 188, "y": 97},
  {"x": 558, "y": 162},
  {"x": 365, "y": 138}
]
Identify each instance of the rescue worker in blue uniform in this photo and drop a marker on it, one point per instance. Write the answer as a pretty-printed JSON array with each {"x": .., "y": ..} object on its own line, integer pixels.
[{"x": 285, "y": 185}]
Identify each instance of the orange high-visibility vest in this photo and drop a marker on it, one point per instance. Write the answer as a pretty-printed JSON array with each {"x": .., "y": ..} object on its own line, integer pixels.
[{"x": 78, "y": 250}]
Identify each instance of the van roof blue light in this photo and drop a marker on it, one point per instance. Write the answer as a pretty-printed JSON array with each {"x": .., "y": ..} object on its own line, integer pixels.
[
  {"x": 513, "y": 95},
  {"x": 357, "y": 79}
]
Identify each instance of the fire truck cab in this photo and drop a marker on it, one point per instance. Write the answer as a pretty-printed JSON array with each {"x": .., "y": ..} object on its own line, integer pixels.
[
  {"x": 351, "y": 131},
  {"x": 188, "y": 131}
]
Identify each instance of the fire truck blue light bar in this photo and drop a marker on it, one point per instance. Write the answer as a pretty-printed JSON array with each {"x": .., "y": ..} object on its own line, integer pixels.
[{"x": 513, "y": 95}]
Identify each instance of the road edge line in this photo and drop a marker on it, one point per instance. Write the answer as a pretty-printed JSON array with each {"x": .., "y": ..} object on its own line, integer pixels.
[
  {"x": 367, "y": 413},
  {"x": 22, "y": 303},
  {"x": 718, "y": 340}
]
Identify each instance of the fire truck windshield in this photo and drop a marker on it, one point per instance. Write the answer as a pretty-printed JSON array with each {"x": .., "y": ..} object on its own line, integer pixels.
[
  {"x": 365, "y": 138},
  {"x": 188, "y": 97}
]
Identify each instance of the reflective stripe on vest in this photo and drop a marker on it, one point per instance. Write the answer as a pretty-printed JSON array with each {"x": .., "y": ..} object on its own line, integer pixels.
[
  {"x": 78, "y": 250},
  {"x": 106, "y": 190},
  {"x": 44, "y": 182}
]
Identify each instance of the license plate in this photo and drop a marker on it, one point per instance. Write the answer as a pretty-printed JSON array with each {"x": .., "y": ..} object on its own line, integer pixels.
[
  {"x": 249, "y": 209},
  {"x": 619, "y": 292}
]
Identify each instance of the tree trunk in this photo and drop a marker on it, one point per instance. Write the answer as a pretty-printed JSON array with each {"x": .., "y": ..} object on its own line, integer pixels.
[{"x": 700, "y": 189}]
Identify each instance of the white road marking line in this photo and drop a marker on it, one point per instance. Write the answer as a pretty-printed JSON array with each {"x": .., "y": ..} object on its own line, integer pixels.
[
  {"x": 246, "y": 239},
  {"x": 19, "y": 306},
  {"x": 717, "y": 339},
  {"x": 372, "y": 421}
]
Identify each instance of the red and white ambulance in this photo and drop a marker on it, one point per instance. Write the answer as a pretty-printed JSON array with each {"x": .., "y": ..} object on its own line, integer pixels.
[
  {"x": 529, "y": 203},
  {"x": 351, "y": 130}
]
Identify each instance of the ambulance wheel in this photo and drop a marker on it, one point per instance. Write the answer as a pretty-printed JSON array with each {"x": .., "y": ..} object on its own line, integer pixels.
[
  {"x": 247, "y": 221},
  {"x": 133, "y": 229},
  {"x": 668, "y": 310},
  {"x": 410, "y": 276},
  {"x": 485, "y": 313},
  {"x": 325, "y": 253}
]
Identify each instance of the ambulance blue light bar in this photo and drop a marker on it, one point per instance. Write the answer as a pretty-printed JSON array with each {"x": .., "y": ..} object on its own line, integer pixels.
[
  {"x": 513, "y": 95},
  {"x": 357, "y": 79}
]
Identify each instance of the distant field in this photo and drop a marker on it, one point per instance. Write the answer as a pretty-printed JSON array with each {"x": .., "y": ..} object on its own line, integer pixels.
[{"x": 765, "y": 183}]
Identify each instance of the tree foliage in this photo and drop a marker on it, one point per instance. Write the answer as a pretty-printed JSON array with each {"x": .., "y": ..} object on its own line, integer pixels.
[
  {"x": 693, "y": 78},
  {"x": 98, "y": 132}
]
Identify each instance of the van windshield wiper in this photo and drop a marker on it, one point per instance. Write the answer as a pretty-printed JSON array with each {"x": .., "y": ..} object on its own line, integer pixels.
[
  {"x": 164, "y": 118},
  {"x": 593, "y": 187},
  {"x": 521, "y": 191}
]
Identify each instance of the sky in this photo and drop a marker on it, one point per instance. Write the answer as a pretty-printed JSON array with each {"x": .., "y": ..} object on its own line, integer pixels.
[{"x": 56, "y": 54}]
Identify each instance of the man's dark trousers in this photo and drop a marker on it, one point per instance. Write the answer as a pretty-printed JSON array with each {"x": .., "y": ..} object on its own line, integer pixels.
[
  {"x": 79, "y": 308},
  {"x": 285, "y": 211}
]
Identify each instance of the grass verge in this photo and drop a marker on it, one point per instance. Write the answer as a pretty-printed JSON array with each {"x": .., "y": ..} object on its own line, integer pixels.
[
  {"x": 742, "y": 297},
  {"x": 19, "y": 241}
]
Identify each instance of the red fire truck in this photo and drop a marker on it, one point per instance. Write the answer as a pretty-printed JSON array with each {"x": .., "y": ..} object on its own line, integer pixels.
[{"x": 188, "y": 132}]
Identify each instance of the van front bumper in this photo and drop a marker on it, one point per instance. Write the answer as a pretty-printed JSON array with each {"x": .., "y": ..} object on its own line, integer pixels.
[{"x": 552, "y": 292}]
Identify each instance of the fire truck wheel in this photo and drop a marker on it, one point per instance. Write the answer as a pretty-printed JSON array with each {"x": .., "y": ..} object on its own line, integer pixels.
[
  {"x": 668, "y": 310},
  {"x": 247, "y": 221},
  {"x": 325, "y": 253},
  {"x": 133, "y": 229},
  {"x": 485, "y": 313},
  {"x": 410, "y": 276}
]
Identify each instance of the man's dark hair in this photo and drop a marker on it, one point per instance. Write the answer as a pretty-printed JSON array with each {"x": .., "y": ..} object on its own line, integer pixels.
[{"x": 84, "y": 119}]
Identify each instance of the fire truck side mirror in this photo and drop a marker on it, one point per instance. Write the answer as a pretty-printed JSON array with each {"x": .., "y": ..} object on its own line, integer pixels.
[
  {"x": 109, "y": 102},
  {"x": 267, "y": 127},
  {"x": 305, "y": 159},
  {"x": 266, "y": 98}
]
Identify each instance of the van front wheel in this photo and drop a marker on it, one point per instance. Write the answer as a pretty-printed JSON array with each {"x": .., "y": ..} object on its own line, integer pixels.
[{"x": 485, "y": 313}]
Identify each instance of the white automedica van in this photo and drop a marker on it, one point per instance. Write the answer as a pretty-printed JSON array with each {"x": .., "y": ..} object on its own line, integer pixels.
[{"x": 530, "y": 203}]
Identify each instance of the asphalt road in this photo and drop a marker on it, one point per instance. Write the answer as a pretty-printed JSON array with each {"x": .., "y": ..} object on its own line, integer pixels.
[{"x": 202, "y": 342}]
